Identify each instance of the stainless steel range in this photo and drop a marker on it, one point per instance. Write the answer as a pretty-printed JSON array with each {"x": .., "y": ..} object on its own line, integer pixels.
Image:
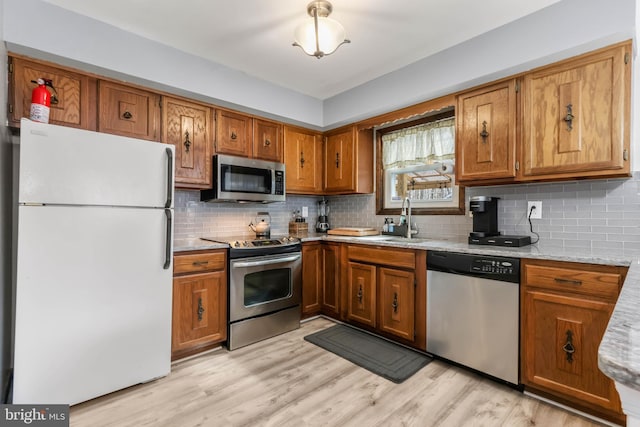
[{"x": 265, "y": 288}]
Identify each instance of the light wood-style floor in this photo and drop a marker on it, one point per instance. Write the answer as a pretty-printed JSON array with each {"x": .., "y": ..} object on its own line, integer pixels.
[{"x": 286, "y": 381}]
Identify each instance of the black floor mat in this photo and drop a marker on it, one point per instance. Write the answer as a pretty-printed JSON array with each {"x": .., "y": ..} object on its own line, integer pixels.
[{"x": 384, "y": 358}]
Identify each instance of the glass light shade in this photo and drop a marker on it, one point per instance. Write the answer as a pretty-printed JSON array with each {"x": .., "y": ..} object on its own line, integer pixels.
[{"x": 330, "y": 37}]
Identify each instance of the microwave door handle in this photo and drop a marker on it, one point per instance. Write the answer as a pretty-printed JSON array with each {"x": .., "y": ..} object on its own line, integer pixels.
[{"x": 244, "y": 264}]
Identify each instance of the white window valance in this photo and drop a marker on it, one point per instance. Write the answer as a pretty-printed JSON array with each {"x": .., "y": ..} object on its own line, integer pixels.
[{"x": 422, "y": 144}]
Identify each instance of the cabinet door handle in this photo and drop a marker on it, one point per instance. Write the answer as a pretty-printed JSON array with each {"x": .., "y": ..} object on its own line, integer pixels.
[
  {"x": 568, "y": 119},
  {"x": 187, "y": 143},
  {"x": 484, "y": 134},
  {"x": 127, "y": 115},
  {"x": 337, "y": 160},
  {"x": 201, "y": 309},
  {"x": 233, "y": 135},
  {"x": 568, "y": 347},
  {"x": 394, "y": 304},
  {"x": 301, "y": 159},
  {"x": 267, "y": 142},
  {"x": 568, "y": 281},
  {"x": 359, "y": 295}
]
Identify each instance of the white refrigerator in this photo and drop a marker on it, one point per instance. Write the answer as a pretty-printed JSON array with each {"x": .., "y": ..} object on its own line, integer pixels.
[{"x": 94, "y": 264}]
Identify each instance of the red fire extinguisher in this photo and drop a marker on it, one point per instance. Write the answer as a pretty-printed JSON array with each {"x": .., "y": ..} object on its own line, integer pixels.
[{"x": 41, "y": 100}]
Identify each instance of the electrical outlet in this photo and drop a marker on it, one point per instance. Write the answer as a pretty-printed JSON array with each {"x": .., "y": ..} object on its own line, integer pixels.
[
  {"x": 305, "y": 211},
  {"x": 537, "y": 210}
]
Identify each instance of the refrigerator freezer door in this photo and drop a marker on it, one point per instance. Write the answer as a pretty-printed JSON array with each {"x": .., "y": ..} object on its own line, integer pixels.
[
  {"x": 62, "y": 165},
  {"x": 93, "y": 302}
]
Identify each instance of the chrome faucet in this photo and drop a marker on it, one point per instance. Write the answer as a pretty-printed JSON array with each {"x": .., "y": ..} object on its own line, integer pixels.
[{"x": 406, "y": 199}]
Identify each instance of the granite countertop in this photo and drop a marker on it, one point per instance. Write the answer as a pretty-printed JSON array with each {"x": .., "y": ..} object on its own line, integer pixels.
[{"x": 619, "y": 352}]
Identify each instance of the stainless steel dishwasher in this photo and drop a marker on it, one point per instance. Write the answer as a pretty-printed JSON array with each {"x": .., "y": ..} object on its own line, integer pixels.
[{"x": 473, "y": 311}]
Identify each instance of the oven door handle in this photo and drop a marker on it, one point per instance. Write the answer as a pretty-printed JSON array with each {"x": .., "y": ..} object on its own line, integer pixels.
[{"x": 242, "y": 264}]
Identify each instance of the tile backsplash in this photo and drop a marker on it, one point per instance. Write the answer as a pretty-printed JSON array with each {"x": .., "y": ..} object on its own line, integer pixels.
[{"x": 581, "y": 214}]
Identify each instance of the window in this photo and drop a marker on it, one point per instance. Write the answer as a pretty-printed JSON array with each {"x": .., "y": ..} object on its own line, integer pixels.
[{"x": 417, "y": 160}]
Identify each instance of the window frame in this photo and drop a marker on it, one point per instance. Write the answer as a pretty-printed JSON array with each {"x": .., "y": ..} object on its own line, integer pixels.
[{"x": 380, "y": 175}]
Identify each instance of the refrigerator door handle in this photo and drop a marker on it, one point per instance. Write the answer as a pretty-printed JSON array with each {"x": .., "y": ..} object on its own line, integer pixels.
[
  {"x": 169, "y": 177},
  {"x": 167, "y": 247}
]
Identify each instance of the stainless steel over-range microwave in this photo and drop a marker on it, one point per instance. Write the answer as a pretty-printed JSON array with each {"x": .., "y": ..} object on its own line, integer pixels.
[{"x": 238, "y": 179}]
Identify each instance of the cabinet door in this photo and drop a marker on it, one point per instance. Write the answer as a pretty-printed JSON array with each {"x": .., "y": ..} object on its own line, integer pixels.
[
  {"x": 331, "y": 279},
  {"x": 312, "y": 275},
  {"x": 361, "y": 293},
  {"x": 339, "y": 162},
  {"x": 199, "y": 310},
  {"x": 486, "y": 133},
  {"x": 73, "y": 101},
  {"x": 561, "y": 335},
  {"x": 188, "y": 127},
  {"x": 233, "y": 133},
  {"x": 303, "y": 161},
  {"x": 576, "y": 117},
  {"x": 267, "y": 140},
  {"x": 397, "y": 298},
  {"x": 128, "y": 111}
]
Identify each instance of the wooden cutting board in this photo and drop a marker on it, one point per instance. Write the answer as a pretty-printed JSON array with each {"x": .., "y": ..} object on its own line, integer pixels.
[{"x": 354, "y": 231}]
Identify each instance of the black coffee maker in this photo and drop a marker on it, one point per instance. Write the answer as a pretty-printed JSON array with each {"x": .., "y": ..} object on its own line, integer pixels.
[{"x": 485, "y": 216}]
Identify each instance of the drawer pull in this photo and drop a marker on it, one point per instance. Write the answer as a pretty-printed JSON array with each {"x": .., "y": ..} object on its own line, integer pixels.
[
  {"x": 568, "y": 119},
  {"x": 187, "y": 142},
  {"x": 199, "y": 263},
  {"x": 200, "y": 309},
  {"x": 127, "y": 115},
  {"x": 484, "y": 134},
  {"x": 568, "y": 281},
  {"x": 568, "y": 348},
  {"x": 394, "y": 304}
]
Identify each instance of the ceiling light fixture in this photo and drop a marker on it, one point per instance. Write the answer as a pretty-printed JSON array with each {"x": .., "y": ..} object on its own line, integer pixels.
[{"x": 322, "y": 36}]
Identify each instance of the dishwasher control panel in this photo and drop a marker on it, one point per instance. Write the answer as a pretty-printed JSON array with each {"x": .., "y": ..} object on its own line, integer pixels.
[
  {"x": 489, "y": 267},
  {"x": 492, "y": 265}
]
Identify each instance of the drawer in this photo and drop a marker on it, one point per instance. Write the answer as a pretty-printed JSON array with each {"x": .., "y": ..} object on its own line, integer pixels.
[
  {"x": 601, "y": 283},
  {"x": 397, "y": 258},
  {"x": 195, "y": 263}
]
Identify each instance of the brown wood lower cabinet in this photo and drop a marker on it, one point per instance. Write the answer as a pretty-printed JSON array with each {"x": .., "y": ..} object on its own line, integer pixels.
[
  {"x": 384, "y": 291},
  {"x": 199, "y": 302},
  {"x": 361, "y": 293},
  {"x": 565, "y": 311},
  {"x": 320, "y": 279}
]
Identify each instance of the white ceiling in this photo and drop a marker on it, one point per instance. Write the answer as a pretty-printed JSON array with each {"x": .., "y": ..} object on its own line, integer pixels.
[{"x": 255, "y": 36}]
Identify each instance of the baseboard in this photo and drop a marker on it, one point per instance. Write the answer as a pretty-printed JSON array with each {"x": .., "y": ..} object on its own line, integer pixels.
[{"x": 570, "y": 409}]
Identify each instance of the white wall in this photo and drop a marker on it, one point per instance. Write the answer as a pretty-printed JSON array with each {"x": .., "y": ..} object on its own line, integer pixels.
[
  {"x": 5, "y": 219},
  {"x": 42, "y": 30},
  {"x": 563, "y": 29}
]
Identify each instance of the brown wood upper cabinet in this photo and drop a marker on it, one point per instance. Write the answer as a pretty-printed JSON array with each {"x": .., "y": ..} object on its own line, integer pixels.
[
  {"x": 303, "y": 160},
  {"x": 75, "y": 93},
  {"x": 128, "y": 111},
  {"x": 576, "y": 116},
  {"x": 348, "y": 161},
  {"x": 565, "y": 310},
  {"x": 486, "y": 132},
  {"x": 245, "y": 136},
  {"x": 189, "y": 127},
  {"x": 267, "y": 140},
  {"x": 568, "y": 120}
]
